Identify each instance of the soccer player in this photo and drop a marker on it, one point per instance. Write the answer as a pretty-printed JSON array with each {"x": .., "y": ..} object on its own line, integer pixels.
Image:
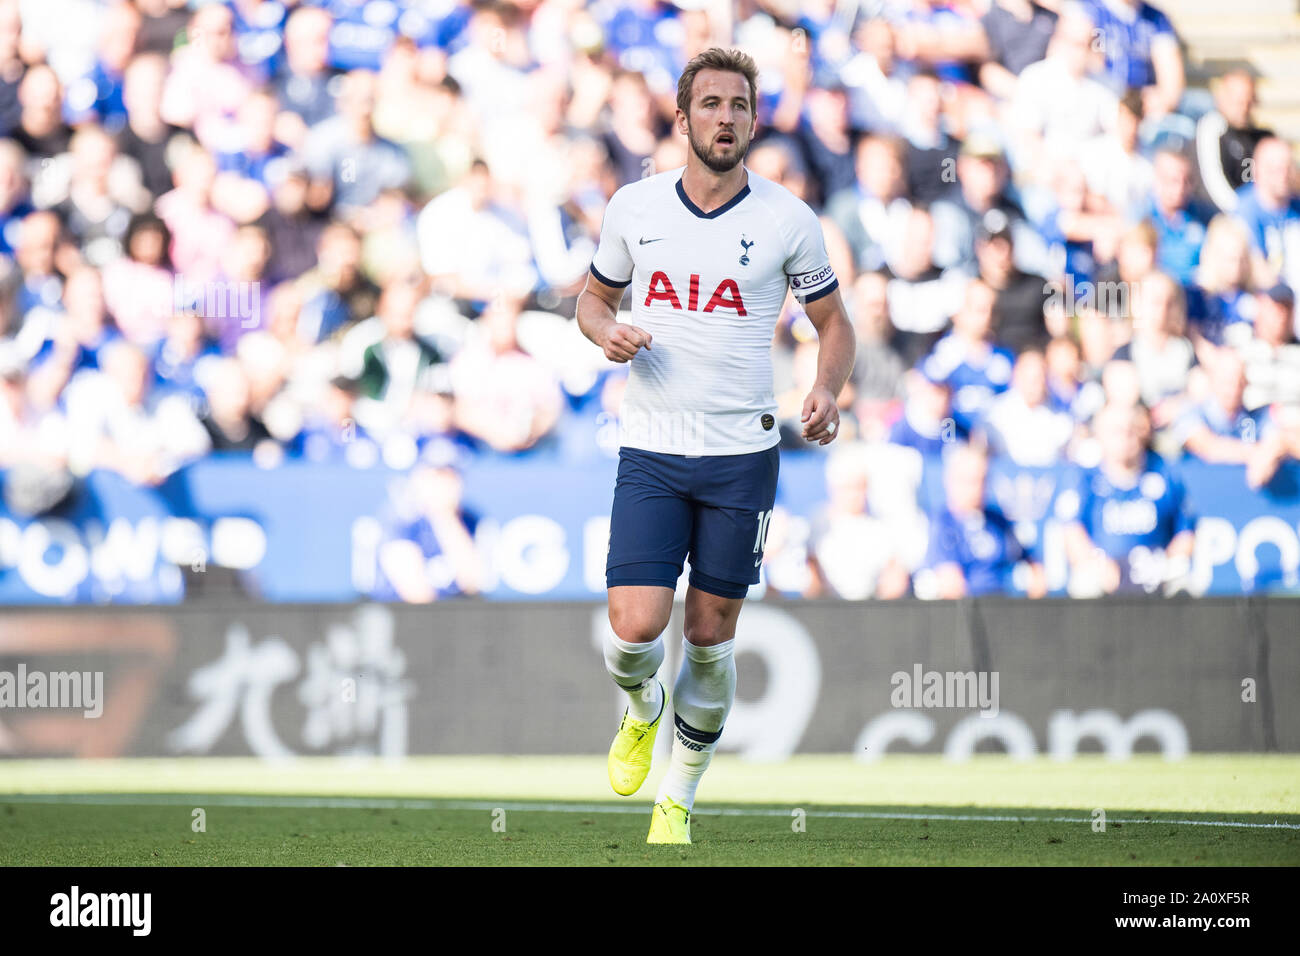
[{"x": 709, "y": 252}]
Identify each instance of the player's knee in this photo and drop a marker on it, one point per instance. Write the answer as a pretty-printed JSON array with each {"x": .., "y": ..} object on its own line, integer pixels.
[
  {"x": 708, "y": 630},
  {"x": 635, "y": 625}
]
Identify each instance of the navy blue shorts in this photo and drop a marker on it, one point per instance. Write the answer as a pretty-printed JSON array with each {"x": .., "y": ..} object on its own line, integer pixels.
[{"x": 713, "y": 508}]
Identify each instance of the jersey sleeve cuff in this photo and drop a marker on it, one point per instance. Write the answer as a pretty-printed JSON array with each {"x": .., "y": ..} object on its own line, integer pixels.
[{"x": 612, "y": 283}]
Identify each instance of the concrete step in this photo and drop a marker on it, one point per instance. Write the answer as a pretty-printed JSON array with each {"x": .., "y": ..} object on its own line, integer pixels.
[
  {"x": 1278, "y": 82},
  {"x": 1176, "y": 9},
  {"x": 1284, "y": 122},
  {"x": 1279, "y": 118},
  {"x": 1277, "y": 95},
  {"x": 1219, "y": 30},
  {"x": 1279, "y": 61}
]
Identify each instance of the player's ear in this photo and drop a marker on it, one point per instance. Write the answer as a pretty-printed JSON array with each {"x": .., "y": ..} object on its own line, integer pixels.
[{"x": 681, "y": 123}]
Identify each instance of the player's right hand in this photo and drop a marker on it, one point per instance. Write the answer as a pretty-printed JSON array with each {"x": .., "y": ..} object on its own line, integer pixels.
[{"x": 622, "y": 342}]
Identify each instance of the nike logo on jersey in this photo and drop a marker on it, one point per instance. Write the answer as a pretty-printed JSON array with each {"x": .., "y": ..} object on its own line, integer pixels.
[{"x": 644, "y": 241}]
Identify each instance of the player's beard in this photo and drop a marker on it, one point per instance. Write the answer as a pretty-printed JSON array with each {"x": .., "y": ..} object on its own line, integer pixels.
[{"x": 709, "y": 157}]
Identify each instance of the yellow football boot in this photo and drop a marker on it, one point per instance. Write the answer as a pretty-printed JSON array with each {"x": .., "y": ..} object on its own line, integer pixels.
[
  {"x": 632, "y": 750},
  {"x": 670, "y": 822}
]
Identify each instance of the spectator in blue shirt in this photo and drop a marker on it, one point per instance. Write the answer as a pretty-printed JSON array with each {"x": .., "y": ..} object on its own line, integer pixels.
[
  {"x": 429, "y": 553},
  {"x": 178, "y": 356},
  {"x": 259, "y": 33},
  {"x": 973, "y": 549},
  {"x": 97, "y": 95},
  {"x": 941, "y": 36},
  {"x": 1221, "y": 294},
  {"x": 302, "y": 86},
  {"x": 657, "y": 45},
  {"x": 967, "y": 360},
  {"x": 927, "y": 423},
  {"x": 1128, "y": 525},
  {"x": 1220, "y": 429},
  {"x": 1179, "y": 219},
  {"x": 1072, "y": 224},
  {"x": 361, "y": 31},
  {"x": 336, "y": 293},
  {"x": 1271, "y": 210},
  {"x": 75, "y": 338},
  {"x": 331, "y": 433},
  {"x": 37, "y": 283},
  {"x": 1141, "y": 52},
  {"x": 257, "y": 153}
]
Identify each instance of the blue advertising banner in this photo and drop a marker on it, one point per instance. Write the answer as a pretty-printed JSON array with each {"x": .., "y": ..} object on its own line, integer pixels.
[{"x": 312, "y": 533}]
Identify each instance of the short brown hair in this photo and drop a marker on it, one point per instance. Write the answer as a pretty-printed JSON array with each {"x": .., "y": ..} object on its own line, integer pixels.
[{"x": 716, "y": 58}]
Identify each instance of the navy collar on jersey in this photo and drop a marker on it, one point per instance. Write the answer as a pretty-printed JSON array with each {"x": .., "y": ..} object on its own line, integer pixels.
[{"x": 686, "y": 201}]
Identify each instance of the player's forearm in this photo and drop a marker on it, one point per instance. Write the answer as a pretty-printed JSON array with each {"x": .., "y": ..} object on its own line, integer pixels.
[
  {"x": 594, "y": 316},
  {"x": 836, "y": 348}
]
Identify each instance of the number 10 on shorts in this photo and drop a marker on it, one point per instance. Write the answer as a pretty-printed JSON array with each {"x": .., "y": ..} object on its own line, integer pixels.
[{"x": 760, "y": 539}]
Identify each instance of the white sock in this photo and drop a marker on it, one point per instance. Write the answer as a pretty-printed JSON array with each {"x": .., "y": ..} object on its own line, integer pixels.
[
  {"x": 702, "y": 698},
  {"x": 633, "y": 667}
]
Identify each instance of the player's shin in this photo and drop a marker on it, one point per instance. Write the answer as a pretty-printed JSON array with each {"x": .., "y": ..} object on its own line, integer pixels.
[
  {"x": 633, "y": 667},
  {"x": 702, "y": 698}
]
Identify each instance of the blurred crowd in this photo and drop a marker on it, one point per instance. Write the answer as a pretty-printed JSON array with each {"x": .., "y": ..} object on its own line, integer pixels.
[{"x": 355, "y": 231}]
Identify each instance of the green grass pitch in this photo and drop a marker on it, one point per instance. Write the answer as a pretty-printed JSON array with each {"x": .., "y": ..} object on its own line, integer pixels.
[{"x": 811, "y": 810}]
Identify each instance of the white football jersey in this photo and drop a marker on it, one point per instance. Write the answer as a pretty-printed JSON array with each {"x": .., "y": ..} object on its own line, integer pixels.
[{"x": 708, "y": 287}]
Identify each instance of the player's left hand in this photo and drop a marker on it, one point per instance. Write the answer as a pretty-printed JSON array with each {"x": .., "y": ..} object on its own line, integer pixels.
[{"x": 821, "y": 417}]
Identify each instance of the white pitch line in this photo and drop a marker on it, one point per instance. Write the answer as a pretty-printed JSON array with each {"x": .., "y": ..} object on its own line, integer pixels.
[{"x": 272, "y": 801}]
